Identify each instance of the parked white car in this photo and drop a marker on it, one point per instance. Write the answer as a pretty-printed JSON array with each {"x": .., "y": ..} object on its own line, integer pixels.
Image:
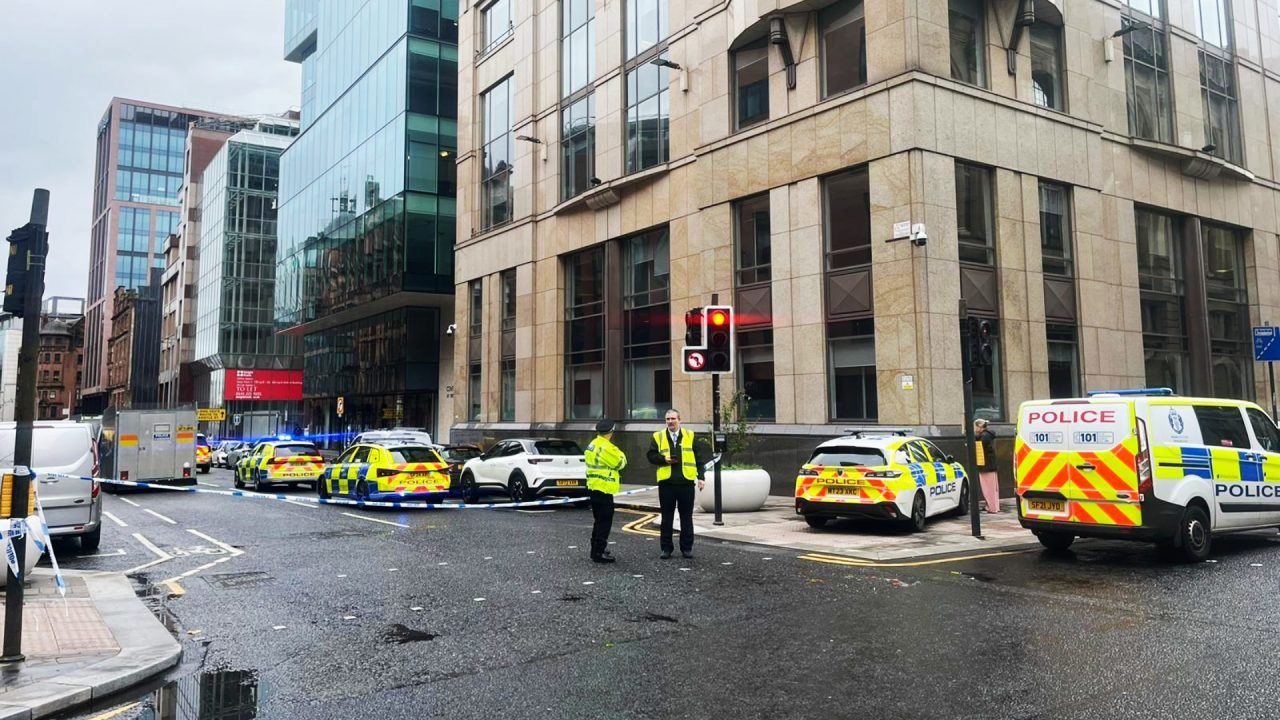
[
  {"x": 221, "y": 453},
  {"x": 525, "y": 468}
]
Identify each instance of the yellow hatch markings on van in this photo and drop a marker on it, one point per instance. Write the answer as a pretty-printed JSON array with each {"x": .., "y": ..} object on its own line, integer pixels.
[{"x": 128, "y": 440}]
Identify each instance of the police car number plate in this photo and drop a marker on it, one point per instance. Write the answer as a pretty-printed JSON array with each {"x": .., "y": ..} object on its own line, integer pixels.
[
  {"x": 1047, "y": 506},
  {"x": 842, "y": 490},
  {"x": 567, "y": 483}
]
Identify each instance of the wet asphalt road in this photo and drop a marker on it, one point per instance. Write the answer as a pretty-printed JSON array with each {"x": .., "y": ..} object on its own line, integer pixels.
[{"x": 313, "y": 613}]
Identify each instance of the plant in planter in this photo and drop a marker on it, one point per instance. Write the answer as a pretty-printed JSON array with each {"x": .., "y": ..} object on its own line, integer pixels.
[{"x": 744, "y": 484}]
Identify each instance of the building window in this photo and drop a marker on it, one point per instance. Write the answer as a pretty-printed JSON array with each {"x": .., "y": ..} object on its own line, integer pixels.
[
  {"x": 647, "y": 324},
  {"x": 974, "y": 223},
  {"x": 1221, "y": 108},
  {"x": 988, "y": 390},
  {"x": 1064, "y": 361},
  {"x": 1213, "y": 22},
  {"x": 507, "y": 405},
  {"x": 751, "y": 83},
  {"x": 1227, "y": 297},
  {"x": 646, "y": 25},
  {"x": 1055, "y": 230},
  {"x": 584, "y": 335},
  {"x": 577, "y": 45},
  {"x": 1047, "y": 76},
  {"x": 755, "y": 372},
  {"x": 847, "y": 206},
  {"x": 754, "y": 244},
  {"x": 1146, "y": 71},
  {"x": 968, "y": 42},
  {"x": 648, "y": 115},
  {"x": 498, "y": 155},
  {"x": 497, "y": 23},
  {"x": 1160, "y": 282},
  {"x": 844, "y": 47},
  {"x": 578, "y": 147},
  {"x": 851, "y": 357},
  {"x": 474, "y": 343}
]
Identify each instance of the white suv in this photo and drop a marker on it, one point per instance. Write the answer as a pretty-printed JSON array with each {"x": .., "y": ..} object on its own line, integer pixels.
[{"x": 525, "y": 468}]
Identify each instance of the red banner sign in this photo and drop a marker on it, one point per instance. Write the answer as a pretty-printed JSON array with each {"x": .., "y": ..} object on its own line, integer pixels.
[{"x": 264, "y": 385}]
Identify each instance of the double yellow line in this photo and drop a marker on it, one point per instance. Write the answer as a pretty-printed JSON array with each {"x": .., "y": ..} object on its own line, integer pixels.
[{"x": 859, "y": 562}]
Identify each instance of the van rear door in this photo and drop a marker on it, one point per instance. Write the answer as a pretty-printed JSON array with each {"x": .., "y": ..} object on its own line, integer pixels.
[
  {"x": 1075, "y": 461},
  {"x": 59, "y": 448}
]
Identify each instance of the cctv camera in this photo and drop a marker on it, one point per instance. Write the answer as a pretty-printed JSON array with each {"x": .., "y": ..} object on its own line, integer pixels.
[
  {"x": 453, "y": 327},
  {"x": 918, "y": 235}
]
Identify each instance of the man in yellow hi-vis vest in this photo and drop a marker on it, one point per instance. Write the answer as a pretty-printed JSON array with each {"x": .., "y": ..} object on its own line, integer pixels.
[
  {"x": 604, "y": 479},
  {"x": 673, "y": 451}
]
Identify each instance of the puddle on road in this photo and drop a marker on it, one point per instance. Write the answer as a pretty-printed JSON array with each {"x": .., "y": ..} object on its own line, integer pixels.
[
  {"x": 401, "y": 634},
  {"x": 216, "y": 695}
]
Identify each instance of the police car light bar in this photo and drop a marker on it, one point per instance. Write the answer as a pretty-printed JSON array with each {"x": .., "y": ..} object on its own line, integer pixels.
[
  {"x": 1162, "y": 391},
  {"x": 860, "y": 431}
]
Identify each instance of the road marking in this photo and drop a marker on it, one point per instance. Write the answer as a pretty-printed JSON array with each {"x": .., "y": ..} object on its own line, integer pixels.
[
  {"x": 127, "y": 500},
  {"x": 175, "y": 589},
  {"x": 106, "y": 554},
  {"x": 232, "y": 553},
  {"x": 115, "y": 713},
  {"x": 207, "y": 484},
  {"x": 171, "y": 521},
  {"x": 161, "y": 556},
  {"x": 115, "y": 519},
  {"x": 640, "y": 526},
  {"x": 308, "y": 506},
  {"x": 857, "y": 562},
  {"x": 384, "y": 522}
]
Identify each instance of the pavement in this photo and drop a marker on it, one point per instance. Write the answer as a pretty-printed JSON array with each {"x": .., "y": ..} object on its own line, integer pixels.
[
  {"x": 776, "y": 525},
  {"x": 100, "y": 640}
]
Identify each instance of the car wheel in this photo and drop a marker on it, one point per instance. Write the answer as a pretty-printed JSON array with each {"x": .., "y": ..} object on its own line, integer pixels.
[
  {"x": 817, "y": 523},
  {"x": 467, "y": 488},
  {"x": 963, "y": 508},
  {"x": 362, "y": 490},
  {"x": 518, "y": 488},
  {"x": 1195, "y": 539},
  {"x": 239, "y": 481},
  {"x": 1056, "y": 541},
  {"x": 90, "y": 541},
  {"x": 322, "y": 489},
  {"x": 259, "y": 485},
  {"x": 916, "y": 522}
]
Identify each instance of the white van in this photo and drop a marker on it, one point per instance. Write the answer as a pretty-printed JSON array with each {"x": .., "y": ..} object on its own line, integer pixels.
[
  {"x": 1146, "y": 465},
  {"x": 71, "y": 507}
]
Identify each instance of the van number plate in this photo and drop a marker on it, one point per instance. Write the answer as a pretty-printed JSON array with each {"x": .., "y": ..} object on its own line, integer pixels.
[
  {"x": 1053, "y": 507},
  {"x": 1093, "y": 438}
]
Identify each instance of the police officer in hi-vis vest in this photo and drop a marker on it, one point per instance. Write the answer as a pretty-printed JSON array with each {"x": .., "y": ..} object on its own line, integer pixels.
[
  {"x": 679, "y": 467},
  {"x": 604, "y": 478}
]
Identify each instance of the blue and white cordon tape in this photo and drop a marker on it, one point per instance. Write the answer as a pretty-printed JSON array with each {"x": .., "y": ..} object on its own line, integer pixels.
[{"x": 408, "y": 505}]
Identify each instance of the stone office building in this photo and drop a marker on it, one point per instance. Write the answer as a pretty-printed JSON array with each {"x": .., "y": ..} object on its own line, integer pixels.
[{"x": 1096, "y": 178}]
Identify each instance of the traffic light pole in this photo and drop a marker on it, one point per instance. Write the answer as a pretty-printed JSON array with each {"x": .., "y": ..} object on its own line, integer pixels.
[
  {"x": 970, "y": 451},
  {"x": 24, "y": 415},
  {"x": 715, "y": 430}
]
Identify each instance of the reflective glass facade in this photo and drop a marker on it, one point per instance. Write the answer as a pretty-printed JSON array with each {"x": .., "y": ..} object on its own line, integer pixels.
[{"x": 367, "y": 190}]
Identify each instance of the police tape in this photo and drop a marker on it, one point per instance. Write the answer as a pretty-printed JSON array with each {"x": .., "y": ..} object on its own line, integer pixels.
[{"x": 398, "y": 505}]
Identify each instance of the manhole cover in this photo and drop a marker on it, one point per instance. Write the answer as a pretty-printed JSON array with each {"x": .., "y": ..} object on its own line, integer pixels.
[{"x": 228, "y": 581}]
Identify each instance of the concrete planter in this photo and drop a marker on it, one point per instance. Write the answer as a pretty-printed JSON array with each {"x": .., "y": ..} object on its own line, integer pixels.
[{"x": 740, "y": 491}]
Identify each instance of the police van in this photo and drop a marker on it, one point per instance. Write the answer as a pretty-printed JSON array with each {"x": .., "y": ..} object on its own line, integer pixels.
[{"x": 1146, "y": 465}]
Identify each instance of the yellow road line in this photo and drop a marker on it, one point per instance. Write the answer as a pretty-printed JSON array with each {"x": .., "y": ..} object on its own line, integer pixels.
[
  {"x": 115, "y": 713},
  {"x": 858, "y": 562},
  {"x": 175, "y": 589},
  {"x": 640, "y": 526}
]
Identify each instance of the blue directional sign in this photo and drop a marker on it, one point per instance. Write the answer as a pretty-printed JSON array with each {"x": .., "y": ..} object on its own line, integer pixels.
[{"x": 1266, "y": 344}]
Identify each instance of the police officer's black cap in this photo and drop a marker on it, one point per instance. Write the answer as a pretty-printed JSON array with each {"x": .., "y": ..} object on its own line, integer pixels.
[{"x": 605, "y": 425}]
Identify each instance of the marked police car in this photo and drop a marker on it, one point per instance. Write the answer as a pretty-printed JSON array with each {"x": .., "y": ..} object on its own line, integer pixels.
[
  {"x": 880, "y": 474},
  {"x": 280, "y": 461},
  {"x": 1146, "y": 465},
  {"x": 386, "y": 471},
  {"x": 525, "y": 468},
  {"x": 204, "y": 454}
]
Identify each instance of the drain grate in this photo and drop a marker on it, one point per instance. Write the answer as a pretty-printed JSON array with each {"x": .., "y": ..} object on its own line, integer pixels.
[{"x": 231, "y": 581}]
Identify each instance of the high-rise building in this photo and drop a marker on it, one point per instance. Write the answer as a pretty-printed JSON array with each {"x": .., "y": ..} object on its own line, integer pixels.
[
  {"x": 1097, "y": 179},
  {"x": 241, "y": 363},
  {"x": 137, "y": 178},
  {"x": 365, "y": 272}
]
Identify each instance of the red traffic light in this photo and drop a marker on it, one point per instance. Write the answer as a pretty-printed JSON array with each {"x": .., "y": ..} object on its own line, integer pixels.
[{"x": 719, "y": 318}]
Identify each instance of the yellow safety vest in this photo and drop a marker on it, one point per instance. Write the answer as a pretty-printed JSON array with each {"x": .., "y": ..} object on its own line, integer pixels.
[
  {"x": 688, "y": 463},
  {"x": 604, "y": 466}
]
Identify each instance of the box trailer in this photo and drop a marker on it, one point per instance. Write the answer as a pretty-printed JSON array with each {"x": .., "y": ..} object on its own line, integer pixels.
[{"x": 156, "y": 446}]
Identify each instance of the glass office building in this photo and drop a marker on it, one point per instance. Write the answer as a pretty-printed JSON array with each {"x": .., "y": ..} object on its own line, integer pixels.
[{"x": 367, "y": 217}]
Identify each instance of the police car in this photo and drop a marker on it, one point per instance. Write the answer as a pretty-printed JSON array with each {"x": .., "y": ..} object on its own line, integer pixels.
[
  {"x": 386, "y": 471},
  {"x": 280, "y": 461},
  {"x": 204, "y": 454},
  {"x": 1146, "y": 465},
  {"x": 880, "y": 474}
]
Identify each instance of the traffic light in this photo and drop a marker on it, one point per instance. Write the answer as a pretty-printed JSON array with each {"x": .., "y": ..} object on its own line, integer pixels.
[
  {"x": 693, "y": 328},
  {"x": 980, "y": 353},
  {"x": 22, "y": 244},
  {"x": 720, "y": 338}
]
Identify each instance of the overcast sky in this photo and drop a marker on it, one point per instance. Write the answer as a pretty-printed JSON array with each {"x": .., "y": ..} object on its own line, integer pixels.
[{"x": 61, "y": 62}]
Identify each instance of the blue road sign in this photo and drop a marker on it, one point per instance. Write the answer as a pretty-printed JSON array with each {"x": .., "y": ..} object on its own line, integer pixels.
[{"x": 1266, "y": 344}]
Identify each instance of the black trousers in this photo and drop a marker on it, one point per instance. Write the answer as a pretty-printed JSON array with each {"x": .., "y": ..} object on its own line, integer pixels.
[
  {"x": 602, "y": 512},
  {"x": 673, "y": 494}
]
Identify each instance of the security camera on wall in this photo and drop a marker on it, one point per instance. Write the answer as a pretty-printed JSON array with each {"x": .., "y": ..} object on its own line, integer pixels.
[{"x": 453, "y": 328}]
